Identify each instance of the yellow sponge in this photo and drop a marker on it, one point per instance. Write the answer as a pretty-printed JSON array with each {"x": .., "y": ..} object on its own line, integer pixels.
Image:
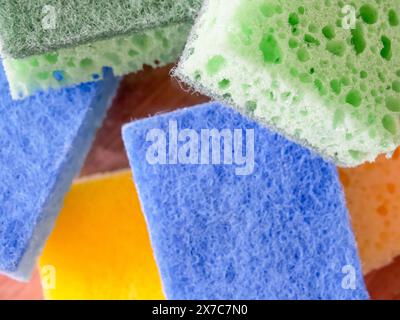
[
  {"x": 100, "y": 248},
  {"x": 373, "y": 196}
]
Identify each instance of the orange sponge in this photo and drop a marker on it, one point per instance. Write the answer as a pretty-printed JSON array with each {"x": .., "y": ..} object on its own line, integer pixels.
[
  {"x": 373, "y": 196},
  {"x": 100, "y": 247}
]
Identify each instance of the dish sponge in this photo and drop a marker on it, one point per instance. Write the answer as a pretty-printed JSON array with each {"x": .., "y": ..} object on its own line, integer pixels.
[
  {"x": 299, "y": 67},
  {"x": 124, "y": 54},
  {"x": 43, "y": 143},
  {"x": 36, "y": 27},
  {"x": 101, "y": 249},
  {"x": 373, "y": 197},
  {"x": 265, "y": 220}
]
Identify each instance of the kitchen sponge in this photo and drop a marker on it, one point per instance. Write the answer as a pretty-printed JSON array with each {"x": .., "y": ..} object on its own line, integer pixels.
[
  {"x": 124, "y": 54},
  {"x": 43, "y": 143},
  {"x": 237, "y": 212},
  {"x": 373, "y": 197},
  {"x": 100, "y": 249},
  {"x": 36, "y": 27},
  {"x": 322, "y": 73}
]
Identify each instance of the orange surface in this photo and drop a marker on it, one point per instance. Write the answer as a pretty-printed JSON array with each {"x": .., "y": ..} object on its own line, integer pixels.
[
  {"x": 373, "y": 197},
  {"x": 100, "y": 248}
]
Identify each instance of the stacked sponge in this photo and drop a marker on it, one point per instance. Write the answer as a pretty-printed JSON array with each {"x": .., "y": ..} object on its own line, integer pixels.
[
  {"x": 36, "y": 27},
  {"x": 44, "y": 140},
  {"x": 89, "y": 37},
  {"x": 373, "y": 198},
  {"x": 323, "y": 73},
  {"x": 100, "y": 248},
  {"x": 256, "y": 217}
]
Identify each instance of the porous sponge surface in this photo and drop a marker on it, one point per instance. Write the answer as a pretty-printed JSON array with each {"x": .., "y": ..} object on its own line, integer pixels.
[
  {"x": 36, "y": 27},
  {"x": 101, "y": 249},
  {"x": 373, "y": 198},
  {"x": 295, "y": 67},
  {"x": 44, "y": 140},
  {"x": 282, "y": 232},
  {"x": 66, "y": 67}
]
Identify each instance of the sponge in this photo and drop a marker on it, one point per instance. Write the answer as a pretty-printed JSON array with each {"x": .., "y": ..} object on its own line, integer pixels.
[
  {"x": 35, "y": 27},
  {"x": 237, "y": 212},
  {"x": 323, "y": 73},
  {"x": 43, "y": 143},
  {"x": 124, "y": 54},
  {"x": 101, "y": 249},
  {"x": 373, "y": 197}
]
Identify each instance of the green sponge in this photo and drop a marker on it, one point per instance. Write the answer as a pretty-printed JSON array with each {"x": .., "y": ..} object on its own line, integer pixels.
[
  {"x": 36, "y": 27},
  {"x": 124, "y": 54},
  {"x": 323, "y": 73}
]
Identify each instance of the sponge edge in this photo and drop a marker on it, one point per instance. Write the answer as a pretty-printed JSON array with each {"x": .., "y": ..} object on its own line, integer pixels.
[
  {"x": 293, "y": 80},
  {"x": 36, "y": 175},
  {"x": 373, "y": 197},
  {"x": 220, "y": 235},
  {"x": 67, "y": 67},
  {"x": 36, "y": 27},
  {"x": 100, "y": 249}
]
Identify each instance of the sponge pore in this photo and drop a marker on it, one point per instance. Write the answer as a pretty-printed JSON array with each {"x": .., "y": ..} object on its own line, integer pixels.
[
  {"x": 278, "y": 228},
  {"x": 43, "y": 143},
  {"x": 373, "y": 197},
  {"x": 322, "y": 73},
  {"x": 100, "y": 249},
  {"x": 36, "y": 27},
  {"x": 124, "y": 54}
]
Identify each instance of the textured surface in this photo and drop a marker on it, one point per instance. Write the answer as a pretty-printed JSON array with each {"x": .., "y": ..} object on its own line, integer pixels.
[
  {"x": 101, "y": 249},
  {"x": 262, "y": 236},
  {"x": 373, "y": 197},
  {"x": 43, "y": 143},
  {"x": 41, "y": 26},
  {"x": 155, "y": 47},
  {"x": 145, "y": 93},
  {"x": 303, "y": 72}
]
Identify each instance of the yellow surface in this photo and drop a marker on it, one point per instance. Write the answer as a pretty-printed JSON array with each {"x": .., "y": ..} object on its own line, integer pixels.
[
  {"x": 100, "y": 247},
  {"x": 373, "y": 197}
]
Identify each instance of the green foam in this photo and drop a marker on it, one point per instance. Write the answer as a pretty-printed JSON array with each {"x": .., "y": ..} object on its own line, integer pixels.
[
  {"x": 67, "y": 67},
  {"x": 302, "y": 68},
  {"x": 32, "y": 27}
]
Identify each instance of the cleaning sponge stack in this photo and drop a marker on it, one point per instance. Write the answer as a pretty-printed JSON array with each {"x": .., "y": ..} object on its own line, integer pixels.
[
  {"x": 299, "y": 67},
  {"x": 281, "y": 231},
  {"x": 43, "y": 143},
  {"x": 123, "y": 35},
  {"x": 30, "y": 28}
]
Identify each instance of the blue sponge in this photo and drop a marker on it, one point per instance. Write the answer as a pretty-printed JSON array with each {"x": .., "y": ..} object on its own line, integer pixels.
[
  {"x": 43, "y": 143},
  {"x": 252, "y": 217}
]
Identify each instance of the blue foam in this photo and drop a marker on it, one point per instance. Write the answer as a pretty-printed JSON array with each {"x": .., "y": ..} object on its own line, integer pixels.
[
  {"x": 280, "y": 232},
  {"x": 44, "y": 140}
]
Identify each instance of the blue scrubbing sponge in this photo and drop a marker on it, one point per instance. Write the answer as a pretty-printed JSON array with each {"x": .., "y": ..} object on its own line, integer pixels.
[
  {"x": 265, "y": 220},
  {"x": 44, "y": 140}
]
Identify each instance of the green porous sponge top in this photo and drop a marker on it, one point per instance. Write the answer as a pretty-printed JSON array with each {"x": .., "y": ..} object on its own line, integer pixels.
[
  {"x": 324, "y": 73},
  {"x": 85, "y": 63},
  {"x": 41, "y": 26}
]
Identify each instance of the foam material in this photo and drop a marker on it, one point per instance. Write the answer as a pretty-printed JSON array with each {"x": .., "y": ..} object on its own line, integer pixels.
[
  {"x": 298, "y": 68},
  {"x": 125, "y": 54},
  {"x": 43, "y": 143},
  {"x": 281, "y": 231},
  {"x": 100, "y": 249},
  {"x": 36, "y": 27},
  {"x": 373, "y": 197}
]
